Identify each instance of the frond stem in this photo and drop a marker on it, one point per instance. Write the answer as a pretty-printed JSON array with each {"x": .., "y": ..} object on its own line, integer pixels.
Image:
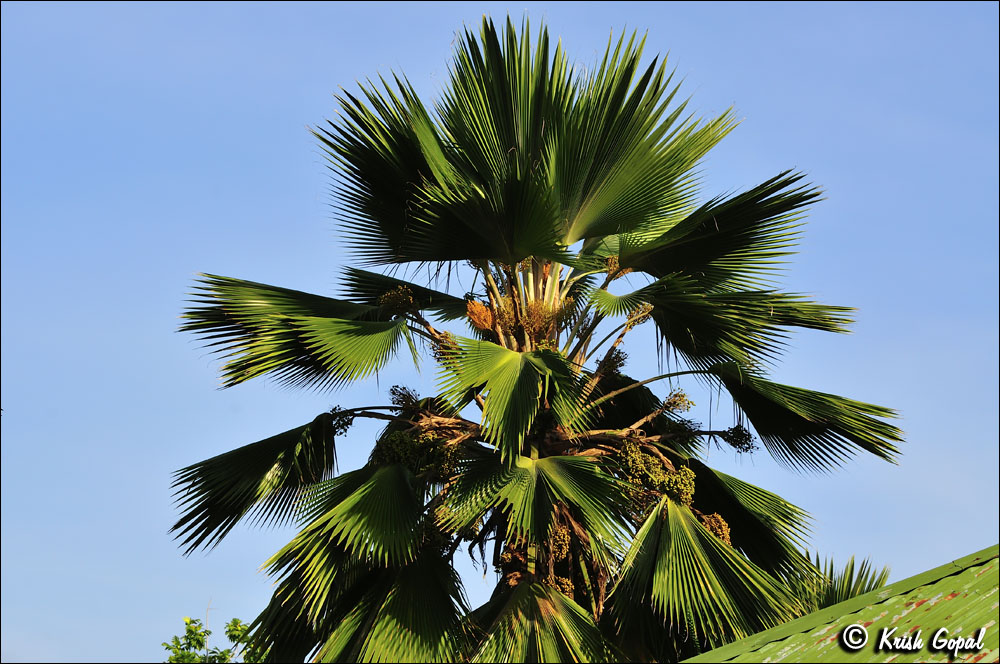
[{"x": 612, "y": 395}]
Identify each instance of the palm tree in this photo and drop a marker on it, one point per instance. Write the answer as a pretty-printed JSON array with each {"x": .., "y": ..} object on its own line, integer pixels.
[
  {"x": 828, "y": 584},
  {"x": 584, "y": 489}
]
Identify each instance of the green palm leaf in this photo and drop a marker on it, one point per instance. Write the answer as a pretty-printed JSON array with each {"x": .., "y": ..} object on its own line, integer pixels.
[
  {"x": 736, "y": 241},
  {"x": 378, "y": 157},
  {"x": 265, "y": 480},
  {"x": 620, "y": 162},
  {"x": 609, "y": 304},
  {"x": 356, "y": 524},
  {"x": 370, "y": 288},
  {"x": 809, "y": 430},
  {"x": 848, "y": 582},
  {"x": 768, "y": 530},
  {"x": 515, "y": 387},
  {"x": 504, "y": 100},
  {"x": 409, "y": 195},
  {"x": 707, "y": 327},
  {"x": 694, "y": 582},
  {"x": 410, "y": 613},
  {"x": 282, "y": 632},
  {"x": 296, "y": 337},
  {"x": 414, "y": 614},
  {"x": 535, "y": 623},
  {"x": 377, "y": 519},
  {"x": 528, "y": 491},
  {"x": 823, "y": 584}
]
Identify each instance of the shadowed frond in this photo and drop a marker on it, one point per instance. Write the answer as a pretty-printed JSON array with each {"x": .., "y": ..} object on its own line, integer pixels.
[
  {"x": 528, "y": 491},
  {"x": 723, "y": 324},
  {"x": 765, "y": 528},
  {"x": 535, "y": 623},
  {"x": 370, "y": 288},
  {"x": 374, "y": 515},
  {"x": 355, "y": 524},
  {"x": 282, "y": 632},
  {"x": 264, "y": 479},
  {"x": 298, "y": 338},
  {"x": 737, "y": 241},
  {"x": 413, "y": 614},
  {"x": 698, "y": 585},
  {"x": 809, "y": 430}
]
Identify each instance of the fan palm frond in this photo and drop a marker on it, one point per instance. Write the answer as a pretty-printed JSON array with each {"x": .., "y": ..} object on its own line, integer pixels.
[
  {"x": 695, "y": 582},
  {"x": 298, "y": 338},
  {"x": 265, "y": 480},
  {"x": 515, "y": 386},
  {"x": 536, "y": 623},
  {"x": 809, "y": 430},
  {"x": 530, "y": 492},
  {"x": 737, "y": 241}
]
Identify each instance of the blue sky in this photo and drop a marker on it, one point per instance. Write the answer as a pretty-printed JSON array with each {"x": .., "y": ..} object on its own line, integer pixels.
[{"x": 142, "y": 144}]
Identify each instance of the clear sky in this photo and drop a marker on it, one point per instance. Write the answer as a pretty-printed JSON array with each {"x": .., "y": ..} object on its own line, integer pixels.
[{"x": 144, "y": 143}]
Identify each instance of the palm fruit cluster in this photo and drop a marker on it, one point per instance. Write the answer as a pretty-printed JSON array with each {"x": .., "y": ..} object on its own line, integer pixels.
[
  {"x": 613, "y": 267},
  {"x": 540, "y": 320},
  {"x": 639, "y": 315},
  {"x": 677, "y": 402},
  {"x": 419, "y": 453},
  {"x": 403, "y": 397},
  {"x": 715, "y": 524},
  {"x": 559, "y": 542},
  {"x": 615, "y": 361},
  {"x": 480, "y": 315},
  {"x": 513, "y": 565},
  {"x": 564, "y": 585},
  {"x": 679, "y": 485},
  {"x": 398, "y": 301},
  {"x": 341, "y": 420},
  {"x": 649, "y": 478},
  {"x": 739, "y": 438}
]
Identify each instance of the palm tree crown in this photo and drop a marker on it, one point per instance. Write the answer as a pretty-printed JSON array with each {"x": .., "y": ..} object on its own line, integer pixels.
[{"x": 582, "y": 487}]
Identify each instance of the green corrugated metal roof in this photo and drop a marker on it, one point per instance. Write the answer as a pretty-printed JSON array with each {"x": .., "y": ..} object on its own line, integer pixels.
[{"x": 960, "y": 596}]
